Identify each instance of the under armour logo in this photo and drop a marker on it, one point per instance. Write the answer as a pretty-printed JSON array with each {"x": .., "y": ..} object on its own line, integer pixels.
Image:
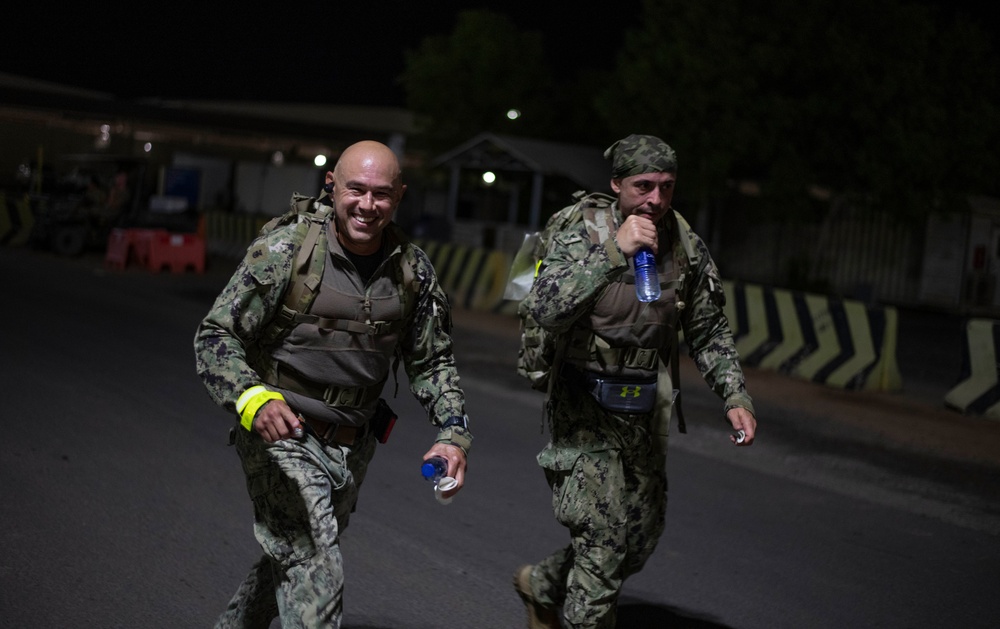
[{"x": 634, "y": 391}]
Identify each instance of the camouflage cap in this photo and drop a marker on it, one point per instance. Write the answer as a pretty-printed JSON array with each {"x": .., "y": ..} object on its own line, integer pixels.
[{"x": 638, "y": 154}]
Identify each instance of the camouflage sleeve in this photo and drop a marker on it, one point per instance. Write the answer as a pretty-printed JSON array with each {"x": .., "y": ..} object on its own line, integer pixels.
[
  {"x": 428, "y": 357},
  {"x": 572, "y": 276},
  {"x": 240, "y": 312},
  {"x": 707, "y": 333}
]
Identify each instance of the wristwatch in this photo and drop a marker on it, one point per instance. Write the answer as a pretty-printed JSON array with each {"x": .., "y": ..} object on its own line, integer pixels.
[{"x": 462, "y": 421}]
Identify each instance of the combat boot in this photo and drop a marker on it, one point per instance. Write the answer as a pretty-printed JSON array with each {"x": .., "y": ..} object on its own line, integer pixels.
[{"x": 539, "y": 616}]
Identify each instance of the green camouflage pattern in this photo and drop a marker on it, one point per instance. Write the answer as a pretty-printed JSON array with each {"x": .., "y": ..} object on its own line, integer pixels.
[
  {"x": 639, "y": 154},
  {"x": 607, "y": 469},
  {"x": 576, "y": 272},
  {"x": 303, "y": 494},
  {"x": 537, "y": 351},
  {"x": 230, "y": 355},
  {"x": 612, "y": 500}
]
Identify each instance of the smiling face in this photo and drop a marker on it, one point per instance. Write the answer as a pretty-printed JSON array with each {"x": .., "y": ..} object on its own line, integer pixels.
[
  {"x": 367, "y": 188},
  {"x": 648, "y": 194}
]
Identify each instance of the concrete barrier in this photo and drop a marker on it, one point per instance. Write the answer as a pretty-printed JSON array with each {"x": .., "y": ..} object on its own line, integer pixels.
[
  {"x": 978, "y": 390},
  {"x": 228, "y": 234},
  {"x": 840, "y": 343},
  {"x": 16, "y": 219},
  {"x": 473, "y": 277}
]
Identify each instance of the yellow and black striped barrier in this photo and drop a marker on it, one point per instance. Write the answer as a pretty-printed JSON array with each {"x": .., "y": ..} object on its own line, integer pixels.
[
  {"x": 228, "y": 234},
  {"x": 473, "y": 277},
  {"x": 840, "y": 343},
  {"x": 978, "y": 390},
  {"x": 16, "y": 219}
]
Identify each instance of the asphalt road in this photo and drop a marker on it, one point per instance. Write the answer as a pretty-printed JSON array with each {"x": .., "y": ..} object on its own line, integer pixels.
[{"x": 123, "y": 507}]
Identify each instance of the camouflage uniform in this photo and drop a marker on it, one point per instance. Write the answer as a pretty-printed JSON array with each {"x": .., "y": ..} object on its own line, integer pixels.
[
  {"x": 303, "y": 490},
  {"x": 607, "y": 469}
]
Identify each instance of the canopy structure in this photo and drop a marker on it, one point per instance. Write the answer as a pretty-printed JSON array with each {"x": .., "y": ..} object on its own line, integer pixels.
[{"x": 585, "y": 166}]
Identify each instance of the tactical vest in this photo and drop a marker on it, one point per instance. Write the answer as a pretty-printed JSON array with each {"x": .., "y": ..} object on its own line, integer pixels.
[
  {"x": 611, "y": 340},
  {"x": 329, "y": 346},
  {"x": 622, "y": 336}
]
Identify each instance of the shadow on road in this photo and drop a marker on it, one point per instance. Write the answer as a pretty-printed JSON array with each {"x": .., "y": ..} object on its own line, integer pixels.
[{"x": 639, "y": 615}]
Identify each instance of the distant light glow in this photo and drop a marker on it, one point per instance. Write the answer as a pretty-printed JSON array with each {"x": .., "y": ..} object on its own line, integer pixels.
[
  {"x": 147, "y": 147},
  {"x": 103, "y": 137},
  {"x": 277, "y": 158},
  {"x": 513, "y": 114},
  {"x": 319, "y": 160},
  {"x": 489, "y": 178}
]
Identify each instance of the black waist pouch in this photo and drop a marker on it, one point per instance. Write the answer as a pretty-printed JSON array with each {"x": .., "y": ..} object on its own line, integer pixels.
[{"x": 622, "y": 395}]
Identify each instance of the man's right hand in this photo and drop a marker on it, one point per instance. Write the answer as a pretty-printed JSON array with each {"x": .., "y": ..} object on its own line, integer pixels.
[
  {"x": 276, "y": 420},
  {"x": 636, "y": 232}
]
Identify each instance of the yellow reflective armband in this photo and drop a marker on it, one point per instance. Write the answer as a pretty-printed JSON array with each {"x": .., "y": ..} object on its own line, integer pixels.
[{"x": 250, "y": 402}]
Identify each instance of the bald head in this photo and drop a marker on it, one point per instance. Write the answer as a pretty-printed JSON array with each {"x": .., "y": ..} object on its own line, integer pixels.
[
  {"x": 367, "y": 186},
  {"x": 368, "y": 156}
]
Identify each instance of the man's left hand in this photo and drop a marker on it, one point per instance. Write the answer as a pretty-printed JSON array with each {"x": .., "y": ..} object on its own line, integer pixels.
[
  {"x": 742, "y": 421},
  {"x": 456, "y": 464}
]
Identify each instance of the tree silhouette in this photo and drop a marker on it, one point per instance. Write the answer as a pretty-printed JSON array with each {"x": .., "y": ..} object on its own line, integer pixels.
[
  {"x": 876, "y": 100},
  {"x": 465, "y": 83}
]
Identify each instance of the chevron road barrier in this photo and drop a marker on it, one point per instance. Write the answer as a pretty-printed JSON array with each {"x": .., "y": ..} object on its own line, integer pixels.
[
  {"x": 840, "y": 343},
  {"x": 474, "y": 278},
  {"x": 228, "y": 234},
  {"x": 978, "y": 390},
  {"x": 16, "y": 219}
]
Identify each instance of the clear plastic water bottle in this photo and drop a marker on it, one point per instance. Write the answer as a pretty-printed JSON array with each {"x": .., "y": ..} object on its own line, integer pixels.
[
  {"x": 434, "y": 468},
  {"x": 647, "y": 282}
]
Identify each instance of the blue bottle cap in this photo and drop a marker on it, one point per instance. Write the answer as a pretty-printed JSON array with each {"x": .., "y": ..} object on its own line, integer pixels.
[{"x": 428, "y": 470}]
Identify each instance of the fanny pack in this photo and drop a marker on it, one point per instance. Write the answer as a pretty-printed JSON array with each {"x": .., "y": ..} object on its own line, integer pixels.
[{"x": 622, "y": 395}]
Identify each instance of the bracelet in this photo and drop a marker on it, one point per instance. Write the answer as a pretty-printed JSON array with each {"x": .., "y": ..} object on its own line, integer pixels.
[{"x": 250, "y": 402}]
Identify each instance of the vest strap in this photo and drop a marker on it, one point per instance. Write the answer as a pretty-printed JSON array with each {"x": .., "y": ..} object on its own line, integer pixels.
[{"x": 332, "y": 395}]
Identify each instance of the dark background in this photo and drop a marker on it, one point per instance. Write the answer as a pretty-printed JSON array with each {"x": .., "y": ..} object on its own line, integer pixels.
[{"x": 336, "y": 52}]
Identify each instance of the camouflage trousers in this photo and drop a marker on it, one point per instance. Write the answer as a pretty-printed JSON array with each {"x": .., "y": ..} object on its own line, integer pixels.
[
  {"x": 609, "y": 489},
  {"x": 303, "y": 494}
]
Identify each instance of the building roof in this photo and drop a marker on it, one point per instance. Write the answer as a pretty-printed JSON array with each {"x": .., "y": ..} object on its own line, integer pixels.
[
  {"x": 186, "y": 118},
  {"x": 584, "y": 165}
]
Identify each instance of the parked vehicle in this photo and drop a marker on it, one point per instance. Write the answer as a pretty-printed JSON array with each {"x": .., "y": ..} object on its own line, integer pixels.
[{"x": 88, "y": 197}]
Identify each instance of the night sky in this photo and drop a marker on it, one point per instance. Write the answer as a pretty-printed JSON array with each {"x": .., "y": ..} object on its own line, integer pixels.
[
  {"x": 292, "y": 52},
  {"x": 338, "y": 52}
]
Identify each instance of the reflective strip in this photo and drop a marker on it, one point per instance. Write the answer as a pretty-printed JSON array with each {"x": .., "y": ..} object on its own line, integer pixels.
[
  {"x": 251, "y": 401},
  {"x": 249, "y": 393}
]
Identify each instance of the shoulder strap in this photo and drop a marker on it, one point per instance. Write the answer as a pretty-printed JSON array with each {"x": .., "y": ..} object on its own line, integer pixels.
[
  {"x": 597, "y": 215},
  {"x": 690, "y": 260},
  {"x": 306, "y": 271}
]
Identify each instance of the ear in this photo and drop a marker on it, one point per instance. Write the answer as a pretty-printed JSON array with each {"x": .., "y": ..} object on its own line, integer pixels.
[
  {"x": 399, "y": 199},
  {"x": 616, "y": 185},
  {"x": 329, "y": 177}
]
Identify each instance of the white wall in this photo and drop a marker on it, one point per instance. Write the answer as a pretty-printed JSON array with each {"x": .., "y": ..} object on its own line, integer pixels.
[
  {"x": 944, "y": 260},
  {"x": 266, "y": 189}
]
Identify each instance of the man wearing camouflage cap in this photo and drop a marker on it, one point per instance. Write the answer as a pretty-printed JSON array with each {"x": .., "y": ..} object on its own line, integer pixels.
[{"x": 605, "y": 461}]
